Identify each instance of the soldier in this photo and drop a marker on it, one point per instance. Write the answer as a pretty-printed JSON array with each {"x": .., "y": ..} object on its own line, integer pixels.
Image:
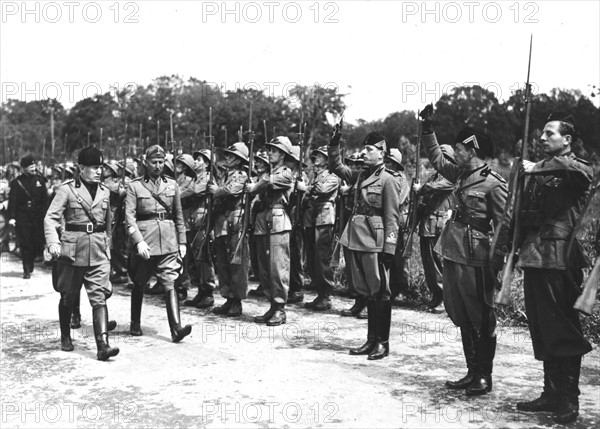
[
  {"x": 27, "y": 204},
  {"x": 83, "y": 250},
  {"x": 371, "y": 235},
  {"x": 154, "y": 222},
  {"x": 399, "y": 274},
  {"x": 321, "y": 195},
  {"x": 202, "y": 273},
  {"x": 434, "y": 199},
  {"x": 555, "y": 192},
  {"x": 359, "y": 308},
  {"x": 233, "y": 278},
  {"x": 4, "y": 192},
  {"x": 272, "y": 230},
  {"x": 469, "y": 274},
  {"x": 297, "y": 246},
  {"x": 263, "y": 168},
  {"x": 186, "y": 180}
]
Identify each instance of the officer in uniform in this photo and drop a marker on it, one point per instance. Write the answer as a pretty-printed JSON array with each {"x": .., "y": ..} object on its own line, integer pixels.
[
  {"x": 83, "y": 249},
  {"x": 321, "y": 195},
  {"x": 434, "y": 201},
  {"x": 469, "y": 271},
  {"x": 552, "y": 261},
  {"x": 272, "y": 230},
  {"x": 156, "y": 231},
  {"x": 229, "y": 212},
  {"x": 371, "y": 235},
  {"x": 399, "y": 273},
  {"x": 202, "y": 273},
  {"x": 27, "y": 203}
]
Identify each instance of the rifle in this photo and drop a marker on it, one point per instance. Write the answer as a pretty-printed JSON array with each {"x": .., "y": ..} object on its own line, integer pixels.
[
  {"x": 202, "y": 238},
  {"x": 585, "y": 302},
  {"x": 515, "y": 195},
  {"x": 297, "y": 195},
  {"x": 238, "y": 253},
  {"x": 412, "y": 218},
  {"x": 337, "y": 248}
]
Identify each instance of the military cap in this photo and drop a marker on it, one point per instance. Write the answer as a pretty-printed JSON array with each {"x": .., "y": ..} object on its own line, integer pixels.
[
  {"x": 375, "y": 139},
  {"x": 113, "y": 166},
  {"x": 155, "y": 151},
  {"x": 26, "y": 161},
  {"x": 90, "y": 156},
  {"x": 282, "y": 143},
  {"x": 322, "y": 150},
  {"x": 262, "y": 155},
  {"x": 476, "y": 140},
  {"x": 186, "y": 160},
  {"x": 240, "y": 150},
  {"x": 448, "y": 152},
  {"x": 562, "y": 117},
  {"x": 395, "y": 156}
]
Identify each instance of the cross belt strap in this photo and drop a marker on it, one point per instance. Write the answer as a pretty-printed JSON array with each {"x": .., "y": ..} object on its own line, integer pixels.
[
  {"x": 85, "y": 209},
  {"x": 158, "y": 199}
]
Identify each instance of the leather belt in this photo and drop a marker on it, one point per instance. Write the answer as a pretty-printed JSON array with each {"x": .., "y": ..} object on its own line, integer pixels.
[
  {"x": 89, "y": 227},
  {"x": 478, "y": 224},
  {"x": 154, "y": 216}
]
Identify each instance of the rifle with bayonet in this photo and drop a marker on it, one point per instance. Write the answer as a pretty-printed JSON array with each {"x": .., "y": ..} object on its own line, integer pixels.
[
  {"x": 514, "y": 201},
  {"x": 412, "y": 217},
  {"x": 237, "y": 257},
  {"x": 337, "y": 247},
  {"x": 297, "y": 194},
  {"x": 201, "y": 241}
]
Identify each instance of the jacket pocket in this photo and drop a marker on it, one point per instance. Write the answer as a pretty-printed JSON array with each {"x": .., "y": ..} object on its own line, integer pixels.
[
  {"x": 325, "y": 214},
  {"x": 67, "y": 252},
  {"x": 477, "y": 245},
  {"x": 280, "y": 221},
  {"x": 373, "y": 196}
]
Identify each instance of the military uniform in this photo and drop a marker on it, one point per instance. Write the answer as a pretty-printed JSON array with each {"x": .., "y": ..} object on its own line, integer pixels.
[
  {"x": 555, "y": 192},
  {"x": 468, "y": 277},
  {"x": 371, "y": 232},
  {"x": 4, "y": 191},
  {"x": 229, "y": 212},
  {"x": 435, "y": 199},
  {"x": 27, "y": 203},
  {"x": 153, "y": 215},
  {"x": 321, "y": 198},
  {"x": 187, "y": 194},
  {"x": 84, "y": 251}
]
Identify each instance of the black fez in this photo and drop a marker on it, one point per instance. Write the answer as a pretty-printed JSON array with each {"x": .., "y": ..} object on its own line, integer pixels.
[
  {"x": 483, "y": 145},
  {"x": 26, "y": 161},
  {"x": 562, "y": 117},
  {"x": 375, "y": 139},
  {"x": 90, "y": 156}
]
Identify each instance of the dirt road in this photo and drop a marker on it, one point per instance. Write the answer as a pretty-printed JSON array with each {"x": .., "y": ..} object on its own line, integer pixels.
[{"x": 234, "y": 373}]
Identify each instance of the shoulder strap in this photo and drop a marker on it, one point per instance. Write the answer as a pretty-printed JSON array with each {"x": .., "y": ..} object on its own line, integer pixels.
[
  {"x": 24, "y": 189},
  {"x": 157, "y": 198},
  {"x": 85, "y": 209}
]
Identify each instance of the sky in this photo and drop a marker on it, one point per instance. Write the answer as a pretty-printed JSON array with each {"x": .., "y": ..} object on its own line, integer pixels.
[{"x": 386, "y": 56}]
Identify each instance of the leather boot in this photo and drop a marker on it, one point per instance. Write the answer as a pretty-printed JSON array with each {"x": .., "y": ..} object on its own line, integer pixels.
[
  {"x": 278, "y": 317},
  {"x": 312, "y": 304},
  {"x": 105, "y": 351},
  {"x": 265, "y": 317},
  {"x": 568, "y": 399},
  {"x": 482, "y": 379},
  {"x": 178, "y": 332},
  {"x": 223, "y": 309},
  {"x": 382, "y": 330},
  {"x": 367, "y": 347},
  {"x": 295, "y": 297},
  {"x": 64, "y": 316},
  {"x": 137, "y": 297},
  {"x": 259, "y": 291},
  {"x": 193, "y": 302},
  {"x": 548, "y": 400},
  {"x": 468, "y": 337},
  {"x": 76, "y": 313},
  {"x": 235, "y": 310},
  {"x": 356, "y": 309}
]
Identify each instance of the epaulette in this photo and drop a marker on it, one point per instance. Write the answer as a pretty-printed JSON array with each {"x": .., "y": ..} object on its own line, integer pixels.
[
  {"x": 583, "y": 161},
  {"x": 137, "y": 179},
  {"x": 498, "y": 176},
  {"x": 66, "y": 182},
  {"x": 393, "y": 172}
]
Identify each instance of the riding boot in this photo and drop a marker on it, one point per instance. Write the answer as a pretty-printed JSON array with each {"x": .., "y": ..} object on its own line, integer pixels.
[
  {"x": 568, "y": 399},
  {"x": 367, "y": 347},
  {"x": 64, "y": 316},
  {"x": 548, "y": 400},
  {"x": 105, "y": 351},
  {"x": 137, "y": 297},
  {"x": 382, "y": 330},
  {"x": 468, "y": 337},
  {"x": 76, "y": 312},
  {"x": 178, "y": 332},
  {"x": 482, "y": 379}
]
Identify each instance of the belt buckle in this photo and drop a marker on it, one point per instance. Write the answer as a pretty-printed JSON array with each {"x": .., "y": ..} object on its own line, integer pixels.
[
  {"x": 161, "y": 215},
  {"x": 29, "y": 204},
  {"x": 89, "y": 227}
]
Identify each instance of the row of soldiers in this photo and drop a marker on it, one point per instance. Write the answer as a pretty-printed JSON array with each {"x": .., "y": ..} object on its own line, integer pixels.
[{"x": 170, "y": 223}]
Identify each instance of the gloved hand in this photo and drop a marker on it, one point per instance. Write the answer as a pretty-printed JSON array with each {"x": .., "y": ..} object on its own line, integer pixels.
[
  {"x": 337, "y": 134},
  {"x": 182, "y": 250},
  {"x": 143, "y": 250},
  {"x": 426, "y": 115},
  {"x": 386, "y": 259}
]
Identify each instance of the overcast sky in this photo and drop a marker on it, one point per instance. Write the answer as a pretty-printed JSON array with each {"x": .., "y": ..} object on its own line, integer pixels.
[{"x": 386, "y": 55}]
